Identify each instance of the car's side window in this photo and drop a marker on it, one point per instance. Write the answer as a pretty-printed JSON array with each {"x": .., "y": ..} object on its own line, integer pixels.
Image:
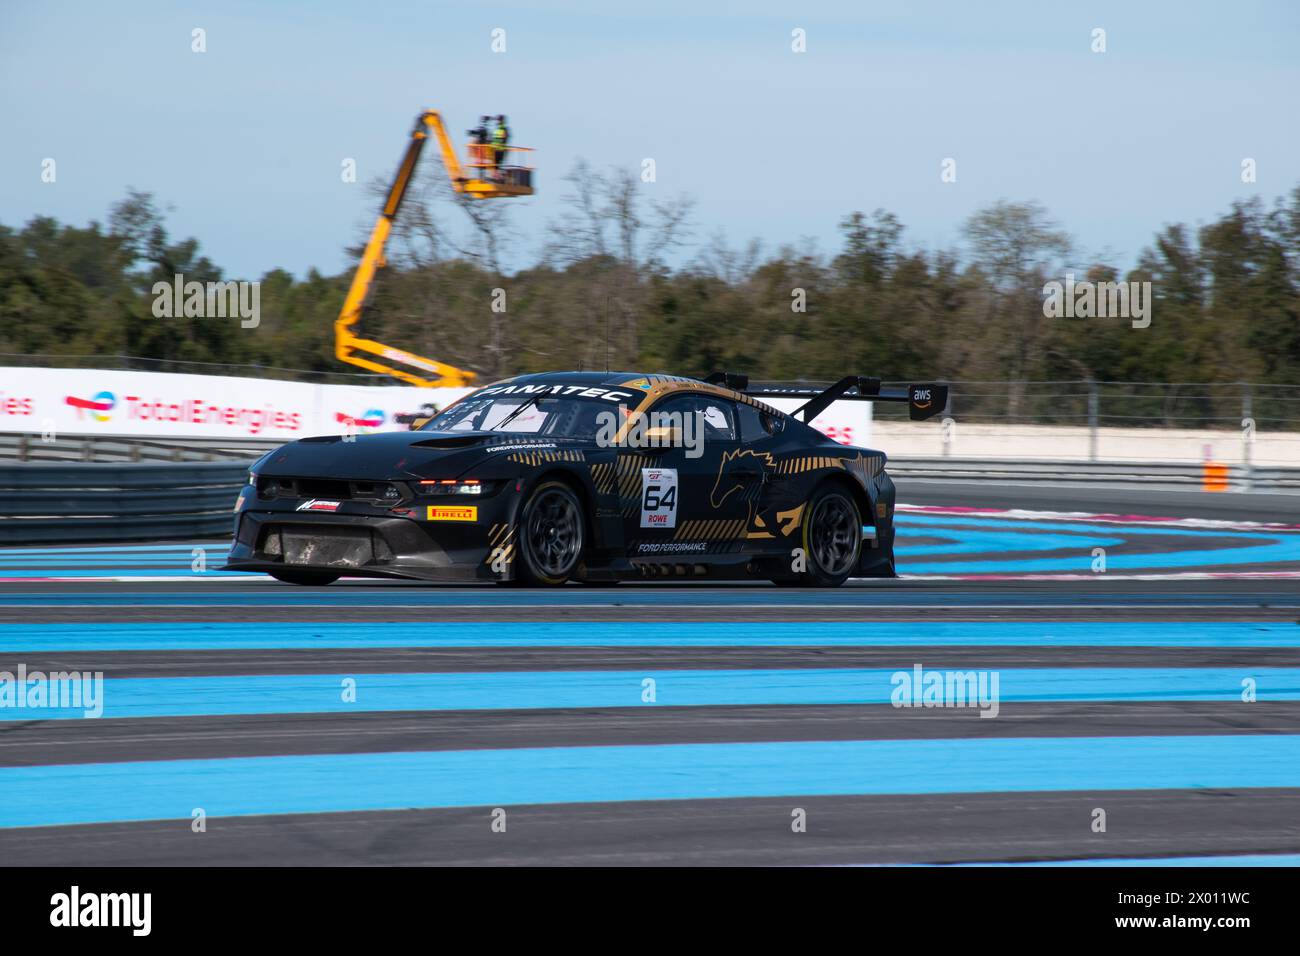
[
  {"x": 752, "y": 427},
  {"x": 755, "y": 425},
  {"x": 713, "y": 416},
  {"x": 719, "y": 425}
]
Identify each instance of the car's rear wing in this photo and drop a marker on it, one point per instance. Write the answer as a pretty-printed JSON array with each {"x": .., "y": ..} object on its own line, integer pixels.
[{"x": 924, "y": 400}]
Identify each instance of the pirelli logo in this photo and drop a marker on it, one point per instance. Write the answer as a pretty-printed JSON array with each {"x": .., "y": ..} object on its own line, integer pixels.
[{"x": 453, "y": 513}]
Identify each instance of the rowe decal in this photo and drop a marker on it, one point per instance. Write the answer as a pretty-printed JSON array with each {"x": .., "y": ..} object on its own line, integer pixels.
[
  {"x": 318, "y": 504},
  {"x": 453, "y": 513},
  {"x": 99, "y": 408}
]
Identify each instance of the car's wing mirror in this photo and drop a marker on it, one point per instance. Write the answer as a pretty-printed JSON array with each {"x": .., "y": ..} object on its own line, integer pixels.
[{"x": 662, "y": 437}]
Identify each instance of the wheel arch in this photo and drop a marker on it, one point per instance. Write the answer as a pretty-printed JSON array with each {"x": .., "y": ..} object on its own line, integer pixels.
[
  {"x": 574, "y": 481},
  {"x": 861, "y": 497},
  {"x": 879, "y": 560}
]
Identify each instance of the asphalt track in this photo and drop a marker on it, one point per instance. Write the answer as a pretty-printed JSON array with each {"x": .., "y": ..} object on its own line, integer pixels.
[{"x": 380, "y": 722}]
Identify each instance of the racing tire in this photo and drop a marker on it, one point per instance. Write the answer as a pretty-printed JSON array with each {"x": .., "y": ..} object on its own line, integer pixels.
[
  {"x": 309, "y": 578},
  {"x": 832, "y": 538},
  {"x": 552, "y": 535}
]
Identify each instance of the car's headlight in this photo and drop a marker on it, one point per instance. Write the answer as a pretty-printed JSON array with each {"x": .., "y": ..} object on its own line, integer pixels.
[{"x": 452, "y": 486}]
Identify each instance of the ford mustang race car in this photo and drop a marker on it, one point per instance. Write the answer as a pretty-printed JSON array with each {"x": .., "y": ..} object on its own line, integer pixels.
[{"x": 586, "y": 476}]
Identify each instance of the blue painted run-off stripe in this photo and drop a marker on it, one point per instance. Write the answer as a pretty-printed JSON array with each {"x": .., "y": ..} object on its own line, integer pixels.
[
  {"x": 324, "y": 693},
  {"x": 158, "y": 636},
  {"x": 178, "y": 565},
  {"x": 60, "y": 563},
  {"x": 877, "y": 594},
  {"x": 171, "y": 790},
  {"x": 1009, "y": 534},
  {"x": 964, "y": 535},
  {"x": 969, "y": 541}
]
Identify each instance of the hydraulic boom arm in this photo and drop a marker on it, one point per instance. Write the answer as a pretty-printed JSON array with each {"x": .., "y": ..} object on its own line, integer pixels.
[{"x": 375, "y": 356}]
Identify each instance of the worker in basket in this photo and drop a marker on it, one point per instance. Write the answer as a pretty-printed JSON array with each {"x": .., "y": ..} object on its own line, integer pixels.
[
  {"x": 500, "y": 146},
  {"x": 479, "y": 150}
]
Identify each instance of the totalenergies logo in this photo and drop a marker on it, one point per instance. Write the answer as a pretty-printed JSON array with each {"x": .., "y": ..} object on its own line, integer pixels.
[
  {"x": 100, "y": 407},
  {"x": 371, "y": 418}
]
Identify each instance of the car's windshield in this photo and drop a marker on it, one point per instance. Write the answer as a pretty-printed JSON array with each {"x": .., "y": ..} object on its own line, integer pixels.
[{"x": 580, "y": 414}]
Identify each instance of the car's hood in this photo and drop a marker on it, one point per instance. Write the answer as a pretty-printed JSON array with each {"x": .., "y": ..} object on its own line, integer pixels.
[{"x": 388, "y": 455}]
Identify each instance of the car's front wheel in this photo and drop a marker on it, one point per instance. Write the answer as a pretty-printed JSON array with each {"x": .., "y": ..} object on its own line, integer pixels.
[
  {"x": 311, "y": 578},
  {"x": 551, "y": 534}
]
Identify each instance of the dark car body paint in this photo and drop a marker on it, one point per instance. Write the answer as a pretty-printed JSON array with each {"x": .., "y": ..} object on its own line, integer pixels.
[{"x": 749, "y": 532}]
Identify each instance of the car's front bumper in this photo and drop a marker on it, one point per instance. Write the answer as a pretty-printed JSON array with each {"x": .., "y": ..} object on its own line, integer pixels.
[{"x": 366, "y": 540}]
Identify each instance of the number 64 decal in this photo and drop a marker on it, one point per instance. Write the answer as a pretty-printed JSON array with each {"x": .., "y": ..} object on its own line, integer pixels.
[{"x": 658, "y": 497}]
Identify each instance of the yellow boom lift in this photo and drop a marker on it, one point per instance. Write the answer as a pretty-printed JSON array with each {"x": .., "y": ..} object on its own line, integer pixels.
[{"x": 484, "y": 175}]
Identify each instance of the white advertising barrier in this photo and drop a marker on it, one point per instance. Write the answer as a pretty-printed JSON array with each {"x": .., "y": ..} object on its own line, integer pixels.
[
  {"x": 161, "y": 405},
  {"x": 848, "y": 423}
]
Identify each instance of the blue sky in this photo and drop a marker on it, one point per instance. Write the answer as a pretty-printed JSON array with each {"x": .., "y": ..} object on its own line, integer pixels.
[{"x": 245, "y": 141}]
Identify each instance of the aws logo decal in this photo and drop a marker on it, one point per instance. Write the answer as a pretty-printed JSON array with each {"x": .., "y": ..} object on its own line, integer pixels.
[
  {"x": 371, "y": 418},
  {"x": 100, "y": 407}
]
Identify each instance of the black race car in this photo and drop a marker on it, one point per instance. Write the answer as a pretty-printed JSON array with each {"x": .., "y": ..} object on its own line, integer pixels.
[{"x": 585, "y": 476}]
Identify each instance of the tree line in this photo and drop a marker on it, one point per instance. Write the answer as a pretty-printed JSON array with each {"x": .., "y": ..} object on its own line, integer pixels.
[{"x": 600, "y": 292}]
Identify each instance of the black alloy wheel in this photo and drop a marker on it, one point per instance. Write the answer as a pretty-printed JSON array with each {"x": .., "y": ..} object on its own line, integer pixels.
[{"x": 551, "y": 534}]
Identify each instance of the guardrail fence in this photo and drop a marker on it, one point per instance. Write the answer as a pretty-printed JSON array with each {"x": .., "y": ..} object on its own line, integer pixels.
[
  {"x": 90, "y": 501},
  {"x": 69, "y": 503},
  {"x": 88, "y": 448},
  {"x": 83, "y": 448}
]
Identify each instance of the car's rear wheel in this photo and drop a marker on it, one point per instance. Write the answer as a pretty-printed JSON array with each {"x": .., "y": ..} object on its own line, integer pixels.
[
  {"x": 312, "y": 578},
  {"x": 832, "y": 538},
  {"x": 552, "y": 534}
]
